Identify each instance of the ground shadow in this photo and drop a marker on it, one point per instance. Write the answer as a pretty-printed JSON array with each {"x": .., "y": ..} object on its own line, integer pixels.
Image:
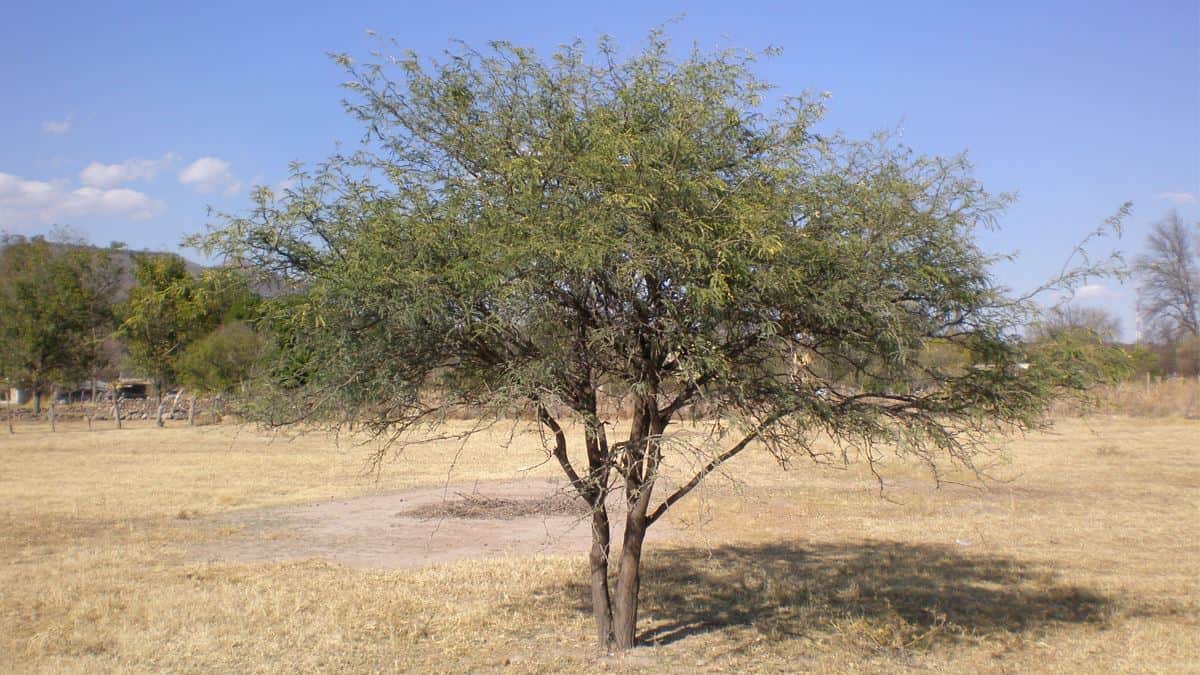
[{"x": 892, "y": 595}]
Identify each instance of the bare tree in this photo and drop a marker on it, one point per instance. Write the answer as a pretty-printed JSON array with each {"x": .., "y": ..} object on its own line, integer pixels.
[
  {"x": 1092, "y": 321},
  {"x": 1169, "y": 271}
]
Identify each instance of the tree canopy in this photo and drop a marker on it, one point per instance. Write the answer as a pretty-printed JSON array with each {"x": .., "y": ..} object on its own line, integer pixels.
[
  {"x": 169, "y": 309},
  {"x": 220, "y": 361},
  {"x": 552, "y": 233},
  {"x": 56, "y": 302}
]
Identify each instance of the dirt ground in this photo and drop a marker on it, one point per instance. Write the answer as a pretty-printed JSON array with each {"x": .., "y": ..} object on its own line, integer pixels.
[
  {"x": 415, "y": 527},
  {"x": 219, "y": 549}
]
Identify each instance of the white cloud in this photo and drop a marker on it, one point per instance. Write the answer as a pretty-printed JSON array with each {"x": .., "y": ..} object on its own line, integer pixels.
[
  {"x": 57, "y": 127},
  {"x": 25, "y": 204},
  {"x": 112, "y": 175},
  {"x": 119, "y": 201},
  {"x": 1178, "y": 198},
  {"x": 18, "y": 192},
  {"x": 1093, "y": 292},
  {"x": 209, "y": 174}
]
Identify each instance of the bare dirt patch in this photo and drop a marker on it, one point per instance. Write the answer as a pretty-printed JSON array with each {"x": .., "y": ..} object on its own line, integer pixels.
[
  {"x": 413, "y": 528},
  {"x": 479, "y": 507}
]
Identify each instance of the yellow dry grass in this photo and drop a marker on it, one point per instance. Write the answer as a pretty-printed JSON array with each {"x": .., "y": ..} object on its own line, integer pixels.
[
  {"x": 1086, "y": 560},
  {"x": 1171, "y": 397}
]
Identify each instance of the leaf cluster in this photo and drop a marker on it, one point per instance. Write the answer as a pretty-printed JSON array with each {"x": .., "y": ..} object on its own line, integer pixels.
[
  {"x": 169, "y": 309},
  {"x": 56, "y": 307}
]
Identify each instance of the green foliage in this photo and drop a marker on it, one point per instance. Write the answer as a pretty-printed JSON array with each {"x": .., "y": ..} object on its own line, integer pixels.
[
  {"x": 1078, "y": 358},
  {"x": 528, "y": 230},
  {"x": 1143, "y": 360},
  {"x": 168, "y": 309},
  {"x": 540, "y": 233},
  {"x": 56, "y": 307},
  {"x": 1187, "y": 356},
  {"x": 222, "y": 360},
  {"x": 1078, "y": 346}
]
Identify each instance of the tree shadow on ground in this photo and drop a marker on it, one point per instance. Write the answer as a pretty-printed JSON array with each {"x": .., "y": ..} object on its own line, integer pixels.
[{"x": 885, "y": 595}]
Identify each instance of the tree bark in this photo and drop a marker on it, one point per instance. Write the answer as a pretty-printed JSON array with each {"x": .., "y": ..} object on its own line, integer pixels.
[
  {"x": 175, "y": 404},
  {"x": 94, "y": 408},
  {"x": 596, "y": 493},
  {"x": 37, "y": 401},
  {"x": 593, "y": 489},
  {"x": 158, "y": 409},
  {"x": 640, "y": 467},
  {"x": 629, "y": 573},
  {"x": 598, "y": 563}
]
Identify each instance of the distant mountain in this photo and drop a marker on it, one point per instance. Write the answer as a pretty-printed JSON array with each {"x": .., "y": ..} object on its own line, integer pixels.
[{"x": 124, "y": 260}]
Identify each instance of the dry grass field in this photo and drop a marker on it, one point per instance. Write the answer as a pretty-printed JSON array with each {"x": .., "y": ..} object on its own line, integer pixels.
[{"x": 1086, "y": 559}]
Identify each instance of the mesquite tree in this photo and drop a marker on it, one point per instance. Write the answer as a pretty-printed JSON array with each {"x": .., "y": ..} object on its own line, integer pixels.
[{"x": 544, "y": 232}]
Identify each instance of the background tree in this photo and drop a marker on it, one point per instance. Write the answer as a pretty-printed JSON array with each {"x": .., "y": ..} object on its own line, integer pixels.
[
  {"x": 1169, "y": 276},
  {"x": 56, "y": 300},
  {"x": 221, "y": 361},
  {"x": 1093, "y": 322},
  {"x": 168, "y": 309},
  {"x": 1085, "y": 339},
  {"x": 519, "y": 231}
]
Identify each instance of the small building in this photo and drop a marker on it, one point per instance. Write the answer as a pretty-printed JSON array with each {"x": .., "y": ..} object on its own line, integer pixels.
[
  {"x": 130, "y": 389},
  {"x": 15, "y": 396}
]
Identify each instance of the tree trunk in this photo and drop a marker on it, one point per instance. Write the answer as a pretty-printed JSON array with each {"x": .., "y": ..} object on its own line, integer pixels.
[
  {"x": 629, "y": 574},
  {"x": 117, "y": 409},
  {"x": 158, "y": 409},
  {"x": 37, "y": 401},
  {"x": 10, "y": 415},
  {"x": 641, "y": 466},
  {"x": 192, "y": 411},
  {"x": 94, "y": 408},
  {"x": 175, "y": 404},
  {"x": 598, "y": 562}
]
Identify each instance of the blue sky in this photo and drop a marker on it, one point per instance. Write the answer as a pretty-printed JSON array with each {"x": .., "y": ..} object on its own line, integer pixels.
[{"x": 126, "y": 120}]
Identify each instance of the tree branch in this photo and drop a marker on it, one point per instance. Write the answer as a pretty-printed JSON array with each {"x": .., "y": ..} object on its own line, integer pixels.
[
  {"x": 709, "y": 468},
  {"x": 560, "y": 451}
]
